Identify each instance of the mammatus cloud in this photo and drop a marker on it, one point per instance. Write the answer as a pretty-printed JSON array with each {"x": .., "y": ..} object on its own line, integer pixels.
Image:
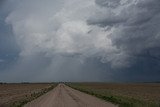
[{"x": 62, "y": 40}]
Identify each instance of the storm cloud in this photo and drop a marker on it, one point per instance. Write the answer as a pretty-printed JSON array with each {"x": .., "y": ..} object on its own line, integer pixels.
[{"x": 83, "y": 40}]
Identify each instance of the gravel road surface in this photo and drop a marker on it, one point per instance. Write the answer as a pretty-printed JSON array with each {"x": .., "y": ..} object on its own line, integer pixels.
[{"x": 64, "y": 96}]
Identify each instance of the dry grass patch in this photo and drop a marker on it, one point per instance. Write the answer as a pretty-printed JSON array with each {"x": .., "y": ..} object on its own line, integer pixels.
[{"x": 15, "y": 95}]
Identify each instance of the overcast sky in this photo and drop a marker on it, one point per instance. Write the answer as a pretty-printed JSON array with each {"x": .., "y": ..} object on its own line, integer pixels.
[{"x": 79, "y": 40}]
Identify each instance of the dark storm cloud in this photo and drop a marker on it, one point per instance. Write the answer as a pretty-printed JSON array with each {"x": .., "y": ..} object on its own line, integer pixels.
[
  {"x": 108, "y": 3},
  {"x": 1, "y": 2},
  {"x": 80, "y": 40},
  {"x": 136, "y": 25},
  {"x": 127, "y": 13},
  {"x": 53, "y": 42},
  {"x": 135, "y": 32}
]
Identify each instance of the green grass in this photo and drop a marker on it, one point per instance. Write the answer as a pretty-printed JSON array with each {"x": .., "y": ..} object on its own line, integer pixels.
[
  {"x": 122, "y": 101},
  {"x": 33, "y": 96}
]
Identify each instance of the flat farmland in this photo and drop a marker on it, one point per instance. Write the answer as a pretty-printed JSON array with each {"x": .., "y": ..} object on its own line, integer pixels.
[
  {"x": 15, "y": 95},
  {"x": 126, "y": 95}
]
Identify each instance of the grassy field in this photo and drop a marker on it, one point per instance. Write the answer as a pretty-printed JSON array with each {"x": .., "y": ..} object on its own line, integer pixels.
[
  {"x": 125, "y": 95},
  {"x": 16, "y": 95}
]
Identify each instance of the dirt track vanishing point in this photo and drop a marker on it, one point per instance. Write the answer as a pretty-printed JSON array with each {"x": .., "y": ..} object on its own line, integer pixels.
[{"x": 64, "y": 96}]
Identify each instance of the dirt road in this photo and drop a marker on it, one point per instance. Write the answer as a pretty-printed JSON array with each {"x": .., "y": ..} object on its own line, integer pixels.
[{"x": 64, "y": 96}]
